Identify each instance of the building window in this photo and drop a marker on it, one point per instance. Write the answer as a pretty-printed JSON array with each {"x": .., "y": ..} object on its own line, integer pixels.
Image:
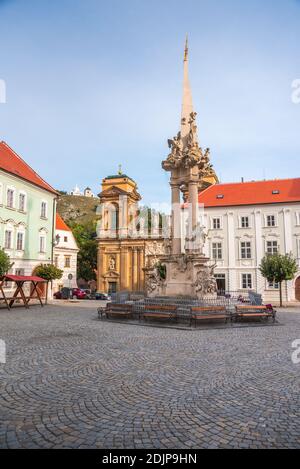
[
  {"x": 19, "y": 272},
  {"x": 44, "y": 210},
  {"x": 272, "y": 247},
  {"x": 22, "y": 200},
  {"x": 67, "y": 261},
  {"x": 1, "y": 194},
  {"x": 56, "y": 261},
  {"x": 217, "y": 250},
  {"x": 297, "y": 214},
  {"x": 245, "y": 222},
  {"x": 8, "y": 239},
  {"x": 20, "y": 241},
  {"x": 216, "y": 222},
  {"x": 273, "y": 285},
  {"x": 245, "y": 250},
  {"x": 10, "y": 198},
  {"x": 246, "y": 281},
  {"x": 271, "y": 221},
  {"x": 65, "y": 239},
  {"x": 42, "y": 244}
]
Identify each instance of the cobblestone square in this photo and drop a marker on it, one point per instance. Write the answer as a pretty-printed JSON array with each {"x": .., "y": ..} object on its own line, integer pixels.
[{"x": 71, "y": 381}]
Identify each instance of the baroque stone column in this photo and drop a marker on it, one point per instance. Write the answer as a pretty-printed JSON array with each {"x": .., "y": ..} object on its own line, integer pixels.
[
  {"x": 124, "y": 269},
  {"x": 193, "y": 200},
  {"x": 176, "y": 220}
]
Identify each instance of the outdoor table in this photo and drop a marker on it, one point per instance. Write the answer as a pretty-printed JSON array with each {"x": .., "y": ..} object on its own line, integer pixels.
[{"x": 20, "y": 280}]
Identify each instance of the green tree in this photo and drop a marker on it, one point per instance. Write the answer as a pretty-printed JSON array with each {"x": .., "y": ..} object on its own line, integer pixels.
[
  {"x": 87, "y": 260},
  {"x": 5, "y": 263},
  {"x": 162, "y": 270},
  {"x": 85, "y": 235},
  {"x": 278, "y": 268},
  {"x": 48, "y": 272}
]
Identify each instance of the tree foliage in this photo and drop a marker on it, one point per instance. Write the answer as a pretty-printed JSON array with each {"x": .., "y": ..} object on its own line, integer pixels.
[
  {"x": 5, "y": 263},
  {"x": 48, "y": 272},
  {"x": 162, "y": 270},
  {"x": 85, "y": 235},
  {"x": 278, "y": 268}
]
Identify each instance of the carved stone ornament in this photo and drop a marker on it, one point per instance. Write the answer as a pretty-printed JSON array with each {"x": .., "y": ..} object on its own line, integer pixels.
[
  {"x": 188, "y": 154},
  {"x": 205, "y": 281},
  {"x": 153, "y": 280}
]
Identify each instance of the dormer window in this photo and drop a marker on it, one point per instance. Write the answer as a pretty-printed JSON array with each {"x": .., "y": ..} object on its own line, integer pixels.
[
  {"x": 220, "y": 196},
  {"x": 275, "y": 191}
]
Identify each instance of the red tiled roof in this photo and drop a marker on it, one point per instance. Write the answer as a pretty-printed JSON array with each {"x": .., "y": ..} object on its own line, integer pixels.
[
  {"x": 251, "y": 193},
  {"x": 14, "y": 164},
  {"x": 60, "y": 224}
]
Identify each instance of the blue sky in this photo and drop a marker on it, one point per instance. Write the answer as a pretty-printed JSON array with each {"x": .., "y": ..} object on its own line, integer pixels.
[{"x": 93, "y": 83}]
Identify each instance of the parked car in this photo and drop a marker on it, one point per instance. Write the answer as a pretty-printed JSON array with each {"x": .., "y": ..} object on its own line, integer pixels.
[
  {"x": 88, "y": 293},
  {"x": 102, "y": 296},
  {"x": 64, "y": 293}
]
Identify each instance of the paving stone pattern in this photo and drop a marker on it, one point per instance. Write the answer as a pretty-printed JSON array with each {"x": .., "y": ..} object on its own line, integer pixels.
[{"x": 71, "y": 381}]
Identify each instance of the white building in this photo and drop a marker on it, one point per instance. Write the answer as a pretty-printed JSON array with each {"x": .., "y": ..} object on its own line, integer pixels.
[
  {"x": 76, "y": 191},
  {"x": 246, "y": 220},
  {"x": 65, "y": 255},
  {"x": 88, "y": 192}
]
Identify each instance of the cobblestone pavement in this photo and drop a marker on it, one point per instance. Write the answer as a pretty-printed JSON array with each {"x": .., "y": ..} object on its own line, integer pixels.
[{"x": 73, "y": 381}]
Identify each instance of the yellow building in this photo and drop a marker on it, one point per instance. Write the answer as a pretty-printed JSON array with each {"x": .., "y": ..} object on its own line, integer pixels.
[{"x": 124, "y": 249}]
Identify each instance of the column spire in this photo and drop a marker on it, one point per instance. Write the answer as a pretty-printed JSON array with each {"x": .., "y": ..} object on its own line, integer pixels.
[{"x": 187, "y": 101}]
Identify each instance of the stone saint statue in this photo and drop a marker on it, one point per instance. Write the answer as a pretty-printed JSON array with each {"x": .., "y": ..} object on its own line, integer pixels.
[
  {"x": 174, "y": 158},
  {"x": 112, "y": 263}
]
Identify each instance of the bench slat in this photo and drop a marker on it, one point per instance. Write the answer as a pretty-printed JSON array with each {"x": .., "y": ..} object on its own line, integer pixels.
[
  {"x": 161, "y": 307},
  {"x": 210, "y": 316},
  {"x": 208, "y": 308}
]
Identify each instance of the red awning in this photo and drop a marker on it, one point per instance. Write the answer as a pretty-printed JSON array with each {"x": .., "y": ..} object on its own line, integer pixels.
[{"x": 22, "y": 278}]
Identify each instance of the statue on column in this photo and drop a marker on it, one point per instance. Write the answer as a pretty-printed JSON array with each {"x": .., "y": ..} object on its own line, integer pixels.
[{"x": 174, "y": 158}]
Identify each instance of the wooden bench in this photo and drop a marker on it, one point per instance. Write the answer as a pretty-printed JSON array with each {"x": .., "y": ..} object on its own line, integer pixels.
[
  {"x": 261, "y": 312},
  {"x": 115, "y": 309},
  {"x": 159, "y": 312},
  {"x": 208, "y": 313}
]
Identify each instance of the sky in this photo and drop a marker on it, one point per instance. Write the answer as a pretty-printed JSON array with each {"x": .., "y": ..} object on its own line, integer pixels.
[{"x": 91, "y": 84}]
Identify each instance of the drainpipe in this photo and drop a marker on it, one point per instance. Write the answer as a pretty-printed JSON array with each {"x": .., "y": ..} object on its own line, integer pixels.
[{"x": 52, "y": 240}]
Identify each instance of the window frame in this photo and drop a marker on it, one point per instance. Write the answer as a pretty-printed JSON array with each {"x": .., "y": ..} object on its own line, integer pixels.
[
  {"x": 248, "y": 276},
  {"x": 272, "y": 251},
  {"x": 8, "y": 230},
  {"x": 44, "y": 213},
  {"x": 21, "y": 193},
  {"x": 219, "y": 222},
  {"x": 12, "y": 190},
  {"x": 17, "y": 240},
  {"x": 242, "y": 217},
  {"x": 273, "y": 215},
  {"x": 67, "y": 257},
  {"x": 42, "y": 237},
  {"x": 217, "y": 248},
  {"x": 246, "y": 250}
]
